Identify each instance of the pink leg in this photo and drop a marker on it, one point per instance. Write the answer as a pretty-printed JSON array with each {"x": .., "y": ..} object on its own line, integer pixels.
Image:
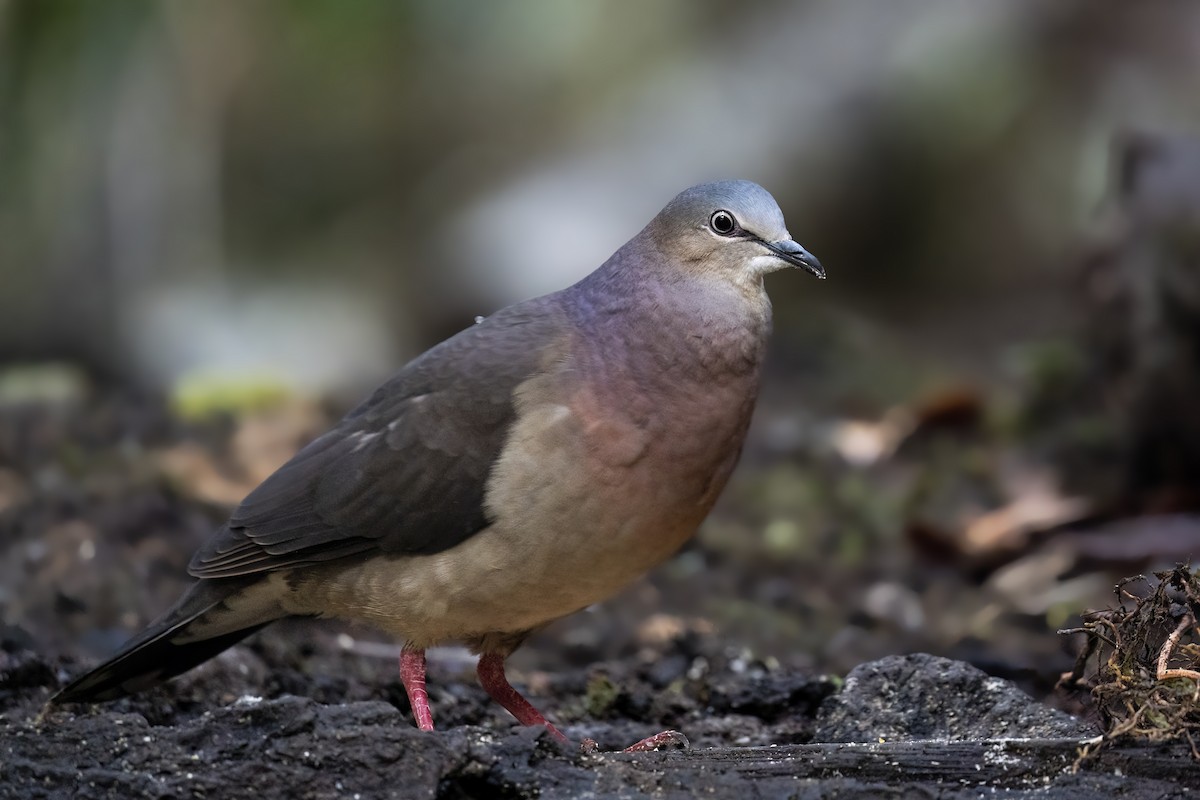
[
  {"x": 412, "y": 675},
  {"x": 491, "y": 678}
]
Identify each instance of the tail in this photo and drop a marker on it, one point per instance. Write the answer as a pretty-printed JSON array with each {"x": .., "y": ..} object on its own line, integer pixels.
[{"x": 212, "y": 616}]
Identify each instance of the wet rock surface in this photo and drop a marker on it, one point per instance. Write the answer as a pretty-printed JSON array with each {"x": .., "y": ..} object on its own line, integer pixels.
[
  {"x": 903, "y": 726},
  {"x": 918, "y": 697}
]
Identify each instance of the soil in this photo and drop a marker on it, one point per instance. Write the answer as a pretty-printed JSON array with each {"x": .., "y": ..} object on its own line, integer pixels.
[
  {"x": 903, "y": 725},
  {"x": 103, "y": 500}
]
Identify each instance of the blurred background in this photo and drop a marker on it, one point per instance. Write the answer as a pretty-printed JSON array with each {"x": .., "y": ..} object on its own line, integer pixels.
[{"x": 221, "y": 223}]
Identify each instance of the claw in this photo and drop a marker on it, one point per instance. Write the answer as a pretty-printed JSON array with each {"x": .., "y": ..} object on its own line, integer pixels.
[{"x": 668, "y": 740}]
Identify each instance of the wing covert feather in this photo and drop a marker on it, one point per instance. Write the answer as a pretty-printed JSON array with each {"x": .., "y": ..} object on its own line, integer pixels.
[{"x": 404, "y": 472}]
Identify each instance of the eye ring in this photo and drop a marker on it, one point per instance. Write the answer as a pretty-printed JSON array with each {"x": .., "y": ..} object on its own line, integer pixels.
[{"x": 722, "y": 223}]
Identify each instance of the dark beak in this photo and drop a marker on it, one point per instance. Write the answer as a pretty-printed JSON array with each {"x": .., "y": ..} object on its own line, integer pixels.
[{"x": 797, "y": 256}]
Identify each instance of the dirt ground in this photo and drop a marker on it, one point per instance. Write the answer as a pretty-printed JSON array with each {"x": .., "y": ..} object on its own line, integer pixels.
[
  {"x": 740, "y": 643},
  {"x": 904, "y": 725}
]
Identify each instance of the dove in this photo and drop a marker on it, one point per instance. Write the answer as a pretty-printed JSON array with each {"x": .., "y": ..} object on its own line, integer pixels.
[{"x": 522, "y": 470}]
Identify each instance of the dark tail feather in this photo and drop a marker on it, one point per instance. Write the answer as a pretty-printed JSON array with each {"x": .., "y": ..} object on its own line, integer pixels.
[{"x": 154, "y": 655}]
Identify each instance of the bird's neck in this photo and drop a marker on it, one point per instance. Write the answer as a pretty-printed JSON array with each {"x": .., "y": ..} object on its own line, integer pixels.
[{"x": 674, "y": 326}]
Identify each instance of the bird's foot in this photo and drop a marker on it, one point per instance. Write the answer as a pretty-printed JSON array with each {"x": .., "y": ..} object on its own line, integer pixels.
[
  {"x": 666, "y": 740},
  {"x": 491, "y": 677}
]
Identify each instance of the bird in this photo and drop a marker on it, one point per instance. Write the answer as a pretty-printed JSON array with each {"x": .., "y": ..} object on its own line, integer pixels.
[{"x": 522, "y": 470}]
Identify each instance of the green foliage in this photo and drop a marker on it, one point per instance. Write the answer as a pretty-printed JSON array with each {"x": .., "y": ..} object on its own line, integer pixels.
[{"x": 200, "y": 395}]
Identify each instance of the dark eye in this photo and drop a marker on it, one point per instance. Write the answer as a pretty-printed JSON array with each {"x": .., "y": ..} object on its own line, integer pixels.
[{"x": 722, "y": 222}]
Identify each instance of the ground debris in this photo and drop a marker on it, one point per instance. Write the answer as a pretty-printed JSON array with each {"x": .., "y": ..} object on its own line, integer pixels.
[{"x": 1146, "y": 676}]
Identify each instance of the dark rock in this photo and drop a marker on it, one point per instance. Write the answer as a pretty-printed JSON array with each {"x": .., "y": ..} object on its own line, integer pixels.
[
  {"x": 773, "y": 696},
  {"x": 22, "y": 671},
  {"x": 921, "y": 697}
]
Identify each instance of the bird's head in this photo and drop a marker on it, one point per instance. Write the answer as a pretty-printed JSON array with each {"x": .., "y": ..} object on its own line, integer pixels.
[{"x": 733, "y": 228}]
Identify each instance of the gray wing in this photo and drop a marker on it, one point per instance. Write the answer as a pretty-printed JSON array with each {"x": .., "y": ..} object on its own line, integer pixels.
[{"x": 406, "y": 471}]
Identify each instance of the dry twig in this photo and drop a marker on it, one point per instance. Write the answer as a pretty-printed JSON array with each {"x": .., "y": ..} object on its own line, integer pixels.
[{"x": 1137, "y": 691}]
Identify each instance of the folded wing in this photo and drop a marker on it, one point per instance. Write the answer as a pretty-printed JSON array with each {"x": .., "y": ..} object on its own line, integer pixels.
[{"x": 406, "y": 471}]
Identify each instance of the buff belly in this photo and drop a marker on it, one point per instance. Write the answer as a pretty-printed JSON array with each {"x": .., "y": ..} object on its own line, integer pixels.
[{"x": 579, "y": 516}]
